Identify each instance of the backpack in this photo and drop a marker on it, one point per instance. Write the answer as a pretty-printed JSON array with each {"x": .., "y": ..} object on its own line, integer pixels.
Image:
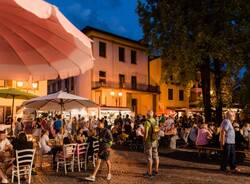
[{"x": 155, "y": 131}]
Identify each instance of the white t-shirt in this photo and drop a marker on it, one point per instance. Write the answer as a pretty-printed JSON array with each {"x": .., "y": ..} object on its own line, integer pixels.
[
  {"x": 140, "y": 130},
  {"x": 4, "y": 143},
  {"x": 169, "y": 122},
  {"x": 69, "y": 127},
  {"x": 44, "y": 146}
]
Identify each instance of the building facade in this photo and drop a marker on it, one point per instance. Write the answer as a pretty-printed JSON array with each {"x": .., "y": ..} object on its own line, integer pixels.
[
  {"x": 173, "y": 95},
  {"x": 36, "y": 88},
  {"x": 120, "y": 76}
]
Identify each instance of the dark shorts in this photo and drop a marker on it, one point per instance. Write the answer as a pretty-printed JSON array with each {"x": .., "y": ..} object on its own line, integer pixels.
[{"x": 104, "y": 155}]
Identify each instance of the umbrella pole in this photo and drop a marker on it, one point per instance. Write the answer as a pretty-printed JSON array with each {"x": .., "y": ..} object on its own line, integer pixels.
[{"x": 12, "y": 113}]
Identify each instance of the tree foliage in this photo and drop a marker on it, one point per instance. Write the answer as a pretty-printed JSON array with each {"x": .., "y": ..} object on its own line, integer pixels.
[{"x": 197, "y": 35}]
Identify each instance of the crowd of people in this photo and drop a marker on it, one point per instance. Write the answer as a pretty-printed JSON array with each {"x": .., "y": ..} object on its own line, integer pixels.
[
  {"x": 51, "y": 134},
  {"x": 140, "y": 132}
]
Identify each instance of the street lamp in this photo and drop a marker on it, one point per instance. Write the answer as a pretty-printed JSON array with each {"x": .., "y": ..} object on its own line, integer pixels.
[
  {"x": 19, "y": 84},
  {"x": 120, "y": 94},
  {"x": 112, "y": 93}
]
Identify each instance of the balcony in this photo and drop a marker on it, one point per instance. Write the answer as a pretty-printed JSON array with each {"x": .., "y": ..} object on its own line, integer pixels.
[{"x": 127, "y": 86}]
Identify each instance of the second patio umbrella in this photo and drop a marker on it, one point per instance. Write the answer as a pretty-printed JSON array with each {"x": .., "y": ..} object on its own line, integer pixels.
[
  {"x": 59, "y": 101},
  {"x": 13, "y": 94}
]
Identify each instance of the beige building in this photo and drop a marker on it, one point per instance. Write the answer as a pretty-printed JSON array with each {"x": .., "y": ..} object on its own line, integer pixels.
[
  {"x": 120, "y": 76},
  {"x": 36, "y": 88}
]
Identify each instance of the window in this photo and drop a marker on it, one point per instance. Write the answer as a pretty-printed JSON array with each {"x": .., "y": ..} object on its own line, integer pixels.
[
  {"x": 121, "y": 80},
  {"x": 2, "y": 83},
  {"x": 59, "y": 84},
  {"x": 121, "y": 54},
  {"x": 102, "y": 49},
  {"x": 53, "y": 87},
  {"x": 133, "y": 56},
  {"x": 66, "y": 85},
  {"x": 181, "y": 95},
  {"x": 102, "y": 74},
  {"x": 72, "y": 84},
  {"x": 133, "y": 82},
  {"x": 170, "y": 94},
  {"x": 102, "y": 77}
]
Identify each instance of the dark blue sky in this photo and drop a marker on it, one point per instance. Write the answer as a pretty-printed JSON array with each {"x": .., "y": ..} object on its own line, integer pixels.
[{"x": 116, "y": 16}]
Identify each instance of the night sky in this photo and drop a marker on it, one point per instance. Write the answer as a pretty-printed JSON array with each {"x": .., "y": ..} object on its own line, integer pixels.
[{"x": 116, "y": 16}]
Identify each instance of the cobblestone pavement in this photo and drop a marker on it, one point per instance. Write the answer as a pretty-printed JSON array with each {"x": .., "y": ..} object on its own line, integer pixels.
[{"x": 128, "y": 167}]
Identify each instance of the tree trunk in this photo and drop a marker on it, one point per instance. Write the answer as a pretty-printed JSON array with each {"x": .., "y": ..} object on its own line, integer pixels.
[
  {"x": 219, "y": 103},
  {"x": 205, "y": 82}
]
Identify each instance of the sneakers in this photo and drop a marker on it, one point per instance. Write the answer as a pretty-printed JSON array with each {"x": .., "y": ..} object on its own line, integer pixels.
[
  {"x": 155, "y": 173},
  {"x": 90, "y": 178},
  {"x": 235, "y": 171},
  {"x": 109, "y": 177},
  {"x": 4, "y": 180},
  {"x": 147, "y": 175}
]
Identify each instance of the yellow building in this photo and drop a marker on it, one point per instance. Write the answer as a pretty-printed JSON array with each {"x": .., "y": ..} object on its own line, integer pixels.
[
  {"x": 36, "y": 88},
  {"x": 173, "y": 96},
  {"x": 120, "y": 77}
]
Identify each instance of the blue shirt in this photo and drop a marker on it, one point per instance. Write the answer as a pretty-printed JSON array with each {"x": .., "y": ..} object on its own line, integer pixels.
[
  {"x": 58, "y": 124},
  {"x": 229, "y": 129}
]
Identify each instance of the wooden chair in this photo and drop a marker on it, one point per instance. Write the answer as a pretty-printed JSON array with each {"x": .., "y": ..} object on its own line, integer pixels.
[
  {"x": 67, "y": 158},
  {"x": 82, "y": 154},
  {"x": 24, "y": 160}
]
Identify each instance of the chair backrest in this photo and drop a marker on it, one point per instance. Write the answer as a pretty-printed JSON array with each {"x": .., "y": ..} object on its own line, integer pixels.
[
  {"x": 82, "y": 148},
  {"x": 69, "y": 150},
  {"x": 96, "y": 146},
  {"x": 25, "y": 157}
]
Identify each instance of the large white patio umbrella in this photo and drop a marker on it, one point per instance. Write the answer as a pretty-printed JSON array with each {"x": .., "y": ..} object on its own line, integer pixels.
[
  {"x": 60, "y": 101},
  {"x": 37, "y": 42}
]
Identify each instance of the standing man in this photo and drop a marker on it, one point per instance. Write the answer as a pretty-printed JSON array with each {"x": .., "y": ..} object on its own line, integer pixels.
[
  {"x": 151, "y": 131},
  {"x": 105, "y": 142},
  {"x": 227, "y": 143},
  {"x": 58, "y": 124}
]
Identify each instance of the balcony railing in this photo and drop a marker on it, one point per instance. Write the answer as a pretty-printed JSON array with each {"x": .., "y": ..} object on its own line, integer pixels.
[{"x": 128, "y": 86}]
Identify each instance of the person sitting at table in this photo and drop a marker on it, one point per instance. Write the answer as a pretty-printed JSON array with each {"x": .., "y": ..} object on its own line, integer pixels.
[
  {"x": 203, "y": 136},
  {"x": 20, "y": 143},
  {"x": 172, "y": 132},
  {"x": 59, "y": 137},
  {"x": 47, "y": 147},
  {"x": 5, "y": 148},
  {"x": 68, "y": 126},
  {"x": 5, "y": 144},
  {"x": 193, "y": 135},
  {"x": 18, "y": 126},
  {"x": 80, "y": 137}
]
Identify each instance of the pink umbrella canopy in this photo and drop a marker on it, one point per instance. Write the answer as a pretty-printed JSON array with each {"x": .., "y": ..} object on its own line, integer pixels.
[{"x": 37, "y": 42}]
